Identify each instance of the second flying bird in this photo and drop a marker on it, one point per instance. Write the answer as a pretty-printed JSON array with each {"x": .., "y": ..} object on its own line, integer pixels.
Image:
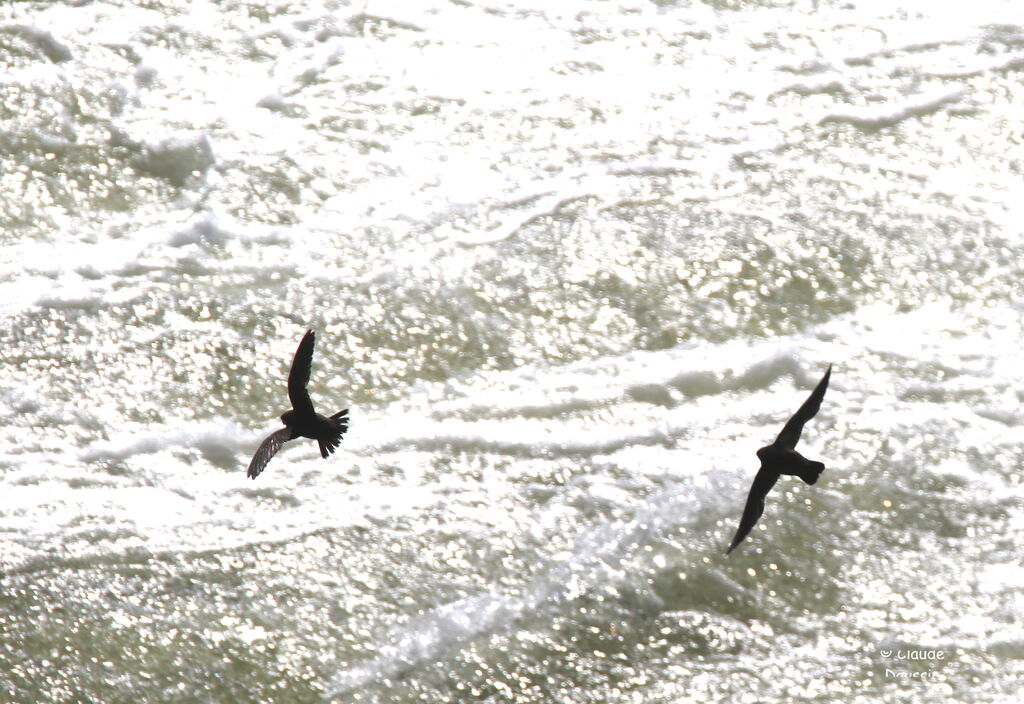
[
  {"x": 781, "y": 458},
  {"x": 303, "y": 420}
]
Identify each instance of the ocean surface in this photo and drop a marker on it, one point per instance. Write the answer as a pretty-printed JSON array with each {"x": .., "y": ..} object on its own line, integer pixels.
[{"x": 570, "y": 264}]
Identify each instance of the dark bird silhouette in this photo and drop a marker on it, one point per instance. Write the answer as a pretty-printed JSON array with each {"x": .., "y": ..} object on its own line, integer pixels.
[
  {"x": 781, "y": 458},
  {"x": 302, "y": 421}
]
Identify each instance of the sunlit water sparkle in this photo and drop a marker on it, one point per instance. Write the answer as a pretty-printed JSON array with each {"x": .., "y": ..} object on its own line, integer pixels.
[{"x": 570, "y": 265}]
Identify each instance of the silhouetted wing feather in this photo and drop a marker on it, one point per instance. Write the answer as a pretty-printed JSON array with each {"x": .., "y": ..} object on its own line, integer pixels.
[
  {"x": 764, "y": 480},
  {"x": 298, "y": 377},
  {"x": 267, "y": 449},
  {"x": 790, "y": 434}
]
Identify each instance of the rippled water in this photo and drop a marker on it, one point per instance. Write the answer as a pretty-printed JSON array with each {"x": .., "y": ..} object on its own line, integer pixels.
[{"x": 570, "y": 264}]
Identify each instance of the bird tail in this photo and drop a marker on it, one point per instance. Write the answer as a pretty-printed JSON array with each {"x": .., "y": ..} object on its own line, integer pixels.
[
  {"x": 811, "y": 471},
  {"x": 329, "y": 442}
]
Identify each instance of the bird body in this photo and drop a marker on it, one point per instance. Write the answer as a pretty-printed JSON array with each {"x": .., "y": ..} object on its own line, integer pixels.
[
  {"x": 786, "y": 461},
  {"x": 302, "y": 420},
  {"x": 317, "y": 427},
  {"x": 781, "y": 458}
]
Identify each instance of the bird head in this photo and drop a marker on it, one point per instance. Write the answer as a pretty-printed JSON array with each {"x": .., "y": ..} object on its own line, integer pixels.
[{"x": 765, "y": 453}]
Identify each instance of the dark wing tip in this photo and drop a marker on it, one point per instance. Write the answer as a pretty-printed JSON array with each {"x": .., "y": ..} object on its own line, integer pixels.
[
  {"x": 305, "y": 347},
  {"x": 753, "y": 509},
  {"x": 743, "y": 530},
  {"x": 790, "y": 434},
  {"x": 819, "y": 391},
  {"x": 740, "y": 535},
  {"x": 298, "y": 376},
  {"x": 824, "y": 379},
  {"x": 826, "y": 375}
]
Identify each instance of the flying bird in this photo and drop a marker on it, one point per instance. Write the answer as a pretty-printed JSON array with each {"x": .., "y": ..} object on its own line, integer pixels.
[
  {"x": 781, "y": 458},
  {"x": 302, "y": 421}
]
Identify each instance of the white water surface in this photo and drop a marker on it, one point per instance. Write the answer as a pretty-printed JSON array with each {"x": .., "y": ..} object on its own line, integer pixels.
[{"x": 570, "y": 265}]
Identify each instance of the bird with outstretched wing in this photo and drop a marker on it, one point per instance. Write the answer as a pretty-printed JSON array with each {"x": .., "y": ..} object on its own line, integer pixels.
[
  {"x": 781, "y": 458},
  {"x": 302, "y": 420}
]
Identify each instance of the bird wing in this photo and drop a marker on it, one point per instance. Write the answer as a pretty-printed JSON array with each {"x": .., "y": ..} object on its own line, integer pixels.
[
  {"x": 764, "y": 480},
  {"x": 298, "y": 377},
  {"x": 790, "y": 434},
  {"x": 267, "y": 449}
]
